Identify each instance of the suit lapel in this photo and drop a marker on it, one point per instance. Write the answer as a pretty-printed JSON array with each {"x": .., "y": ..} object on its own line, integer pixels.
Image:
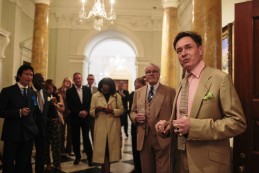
[
  {"x": 84, "y": 94},
  {"x": 18, "y": 90},
  {"x": 159, "y": 97},
  {"x": 30, "y": 101},
  {"x": 175, "y": 102},
  {"x": 76, "y": 95},
  {"x": 203, "y": 88}
]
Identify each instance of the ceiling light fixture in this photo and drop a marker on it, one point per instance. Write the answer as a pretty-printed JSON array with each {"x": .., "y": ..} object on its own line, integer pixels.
[{"x": 98, "y": 13}]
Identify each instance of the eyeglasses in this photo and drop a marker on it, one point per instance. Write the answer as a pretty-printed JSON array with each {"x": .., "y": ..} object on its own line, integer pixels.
[{"x": 151, "y": 72}]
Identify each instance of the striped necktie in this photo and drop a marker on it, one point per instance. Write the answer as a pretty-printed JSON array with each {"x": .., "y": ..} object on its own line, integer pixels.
[
  {"x": 40, "y": 101},
  {"x": 150, "y": 94},
  {"x": 24, "y": 92}
]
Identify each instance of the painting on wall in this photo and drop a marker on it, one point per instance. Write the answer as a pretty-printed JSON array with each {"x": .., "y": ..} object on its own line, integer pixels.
[
  {"x": 124, "y": 81},
  {"x": 227, "y": 51}
]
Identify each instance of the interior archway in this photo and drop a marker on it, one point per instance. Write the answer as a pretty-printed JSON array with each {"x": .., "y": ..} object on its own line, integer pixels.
[{"x": 115, "y": 58}]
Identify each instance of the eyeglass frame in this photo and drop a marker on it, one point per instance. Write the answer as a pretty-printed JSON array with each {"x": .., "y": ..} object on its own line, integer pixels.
[{"x": 152, "y": 72}]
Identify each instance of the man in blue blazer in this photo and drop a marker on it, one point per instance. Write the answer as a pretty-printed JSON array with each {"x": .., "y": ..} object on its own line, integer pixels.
[{"x": 16, "y": 107}]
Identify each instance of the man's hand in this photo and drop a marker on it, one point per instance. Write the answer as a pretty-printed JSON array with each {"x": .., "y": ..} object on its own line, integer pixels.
[
  {"x": 25, "y": 112},
  {"x": 83, "y": 113},
  {"x": 140, "y": 118},
  {"x": 182, "y": 125},
  {"x": 162, "y": 127}
]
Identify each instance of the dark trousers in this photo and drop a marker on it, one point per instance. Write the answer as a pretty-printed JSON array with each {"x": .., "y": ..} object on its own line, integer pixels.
[
  {"x": 135, "y": 152},
  {"x": 40, "y": 143},
  {"x": 124, "y": 123},
  {"x": 15, "y": 156},
  {"x": 76, "y": 124}
]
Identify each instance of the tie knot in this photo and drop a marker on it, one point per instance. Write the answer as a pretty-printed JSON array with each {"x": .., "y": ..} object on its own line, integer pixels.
[
  {"x": 151, "y": 88},
  {"x": 187, "y": 75}
]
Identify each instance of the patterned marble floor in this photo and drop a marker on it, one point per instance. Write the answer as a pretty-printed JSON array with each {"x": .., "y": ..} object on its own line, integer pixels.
[{"x": 125, "y": 165}]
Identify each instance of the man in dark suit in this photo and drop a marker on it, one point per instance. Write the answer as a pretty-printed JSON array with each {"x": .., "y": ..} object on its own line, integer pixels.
[
  {"x": 16, "y": 107},
  {"x": 125, "y": 99},
  {"x": 40, "y": 114},
  {"x": 78, "y": 102},
  {"x": 94, "y": 89}
]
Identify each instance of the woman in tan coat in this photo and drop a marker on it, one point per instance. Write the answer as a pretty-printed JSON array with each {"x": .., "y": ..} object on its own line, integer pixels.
[{"x": 106, "y": 108}]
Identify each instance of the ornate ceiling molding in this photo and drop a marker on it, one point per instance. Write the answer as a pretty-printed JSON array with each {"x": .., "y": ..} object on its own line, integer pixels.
[
  {"x": 135, "y": 23},
  {"x": 170, "y": 3}
]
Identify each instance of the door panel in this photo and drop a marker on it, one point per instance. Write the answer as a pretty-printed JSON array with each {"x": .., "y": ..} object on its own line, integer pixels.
[{"x": 246, "y": 73}]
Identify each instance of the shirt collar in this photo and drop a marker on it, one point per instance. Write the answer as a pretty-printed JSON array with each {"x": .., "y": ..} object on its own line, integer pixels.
[
  {"x": 79, "y": 87},
  {"x": 21, "y": 86},
  {"x": 155, "y": 86},
  {"x": 198, "y": 69}
]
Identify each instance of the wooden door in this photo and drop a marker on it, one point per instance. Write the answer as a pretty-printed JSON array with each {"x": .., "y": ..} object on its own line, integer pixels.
[{"x": 246, "y": 79}]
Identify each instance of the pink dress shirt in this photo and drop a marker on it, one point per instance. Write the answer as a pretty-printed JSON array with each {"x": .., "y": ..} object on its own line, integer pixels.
[{"x": 193, "y": 80}]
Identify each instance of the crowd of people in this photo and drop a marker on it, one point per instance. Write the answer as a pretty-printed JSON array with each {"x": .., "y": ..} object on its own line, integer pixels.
[{"x": 170, "y": 127}]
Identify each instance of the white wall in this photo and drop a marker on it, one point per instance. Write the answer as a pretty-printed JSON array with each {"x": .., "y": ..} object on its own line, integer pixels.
[
  {"x": 228, "y": 11},
  {"x": 17, "y": 18},
  {"x": 69, "y": 40}
]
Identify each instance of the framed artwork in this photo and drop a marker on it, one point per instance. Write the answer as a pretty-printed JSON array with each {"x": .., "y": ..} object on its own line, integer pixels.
[
  {"x": 125, "y": 83},
  {"x": 227, "y": 51}
]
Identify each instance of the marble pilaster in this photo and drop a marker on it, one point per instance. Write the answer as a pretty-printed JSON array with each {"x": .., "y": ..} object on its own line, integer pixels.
[
  {"x": 40, "y": 37},
  {"x": 169, "y": 60},
  {"x": 207, "y": 22},
  {"x": 4, "y": 42}
]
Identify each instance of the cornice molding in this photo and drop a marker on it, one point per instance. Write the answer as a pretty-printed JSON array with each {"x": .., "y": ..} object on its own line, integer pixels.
[
  {"x": 170, "y": 3},
  {"x": 135, "y": 23}
]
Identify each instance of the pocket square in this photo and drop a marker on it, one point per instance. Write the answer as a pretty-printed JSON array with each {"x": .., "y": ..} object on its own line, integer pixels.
[{"x": 208, "y": 96}]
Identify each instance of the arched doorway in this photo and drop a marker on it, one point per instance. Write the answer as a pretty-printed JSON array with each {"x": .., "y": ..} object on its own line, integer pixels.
[{"x": 113, "y": 57}]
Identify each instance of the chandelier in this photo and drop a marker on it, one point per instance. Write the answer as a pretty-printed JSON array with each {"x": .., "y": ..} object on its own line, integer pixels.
[{"x": 98, "y": 13}]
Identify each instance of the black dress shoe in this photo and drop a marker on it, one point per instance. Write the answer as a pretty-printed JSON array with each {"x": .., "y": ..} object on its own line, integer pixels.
[
  {"x": 76, "y": 161},
  {"x": 90, "y": 164}
]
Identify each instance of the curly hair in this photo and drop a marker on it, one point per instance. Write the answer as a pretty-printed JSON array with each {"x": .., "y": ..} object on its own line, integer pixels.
[{"x": 107, "y": 81}]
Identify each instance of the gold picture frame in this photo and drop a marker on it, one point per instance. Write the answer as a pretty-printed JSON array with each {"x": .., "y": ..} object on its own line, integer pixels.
[{"x": 227, "y": 49}]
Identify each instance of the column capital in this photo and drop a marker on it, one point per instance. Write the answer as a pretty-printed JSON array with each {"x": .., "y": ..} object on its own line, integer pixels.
[
  {"x": 47, "y": 2},
  {"x": 170, "y": 3}
]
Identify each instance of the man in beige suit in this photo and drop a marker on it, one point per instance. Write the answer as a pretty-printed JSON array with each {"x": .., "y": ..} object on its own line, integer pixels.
[
  {"x": 214, "y": 113},
  {"x": 151, "y": 104}
]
